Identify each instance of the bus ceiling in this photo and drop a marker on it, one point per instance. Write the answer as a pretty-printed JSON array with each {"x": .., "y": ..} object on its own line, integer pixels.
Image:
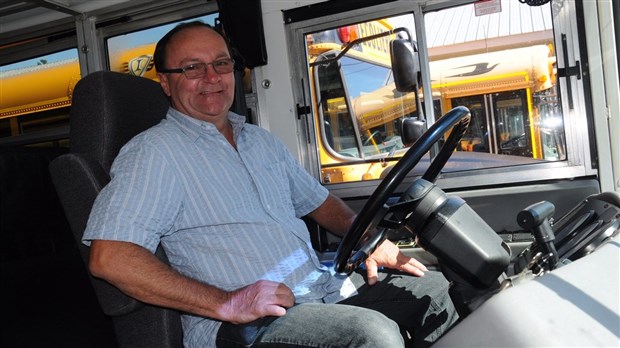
[{"x": 23, "y": 20}]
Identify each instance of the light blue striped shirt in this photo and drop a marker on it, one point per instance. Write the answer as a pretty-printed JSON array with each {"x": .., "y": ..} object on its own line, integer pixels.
[{"x": 227, "y": 218}]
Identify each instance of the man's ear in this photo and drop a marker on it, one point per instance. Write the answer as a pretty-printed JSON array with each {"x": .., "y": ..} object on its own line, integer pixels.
[{"x": 163, "y": 81}]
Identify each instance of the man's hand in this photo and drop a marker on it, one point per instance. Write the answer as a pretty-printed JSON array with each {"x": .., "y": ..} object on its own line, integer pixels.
[
  {"x": 388, "y": 255},
  {"x": 261, "y": 299}
]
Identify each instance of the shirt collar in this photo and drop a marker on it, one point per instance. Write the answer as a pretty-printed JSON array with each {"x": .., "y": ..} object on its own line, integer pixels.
[{"x": 194, "y": 127}]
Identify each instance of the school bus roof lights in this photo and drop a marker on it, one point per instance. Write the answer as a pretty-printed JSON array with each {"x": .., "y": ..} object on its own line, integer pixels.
[{"x": 347, "y": 34}]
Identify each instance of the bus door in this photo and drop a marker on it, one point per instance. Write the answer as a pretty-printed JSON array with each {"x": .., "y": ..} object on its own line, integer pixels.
[{"x": 499, "y": 124}]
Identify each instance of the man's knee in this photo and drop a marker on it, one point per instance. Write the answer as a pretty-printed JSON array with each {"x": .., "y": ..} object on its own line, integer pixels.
[{"x": 373, "y": 329}]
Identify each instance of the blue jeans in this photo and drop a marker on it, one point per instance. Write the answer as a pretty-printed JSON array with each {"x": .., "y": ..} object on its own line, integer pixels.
[{"x": 398, "y": 311}]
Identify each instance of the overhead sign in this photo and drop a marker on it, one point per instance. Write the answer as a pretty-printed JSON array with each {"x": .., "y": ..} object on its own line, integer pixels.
[{"x": 485, "y": 7}]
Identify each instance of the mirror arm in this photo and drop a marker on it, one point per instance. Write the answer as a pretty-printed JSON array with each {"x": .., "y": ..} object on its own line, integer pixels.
[{"x": 360, "y": 40}]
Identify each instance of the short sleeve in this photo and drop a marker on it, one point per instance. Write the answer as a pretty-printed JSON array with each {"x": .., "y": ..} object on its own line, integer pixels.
[
  {"x": 306, "y": 191},
  {"x": 140, "y": 203}
]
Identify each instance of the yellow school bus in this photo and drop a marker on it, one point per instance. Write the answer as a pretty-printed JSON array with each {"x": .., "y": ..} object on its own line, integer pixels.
[
  {"x": 358, "y": 110},
  {"x": 49, "y": 86}
]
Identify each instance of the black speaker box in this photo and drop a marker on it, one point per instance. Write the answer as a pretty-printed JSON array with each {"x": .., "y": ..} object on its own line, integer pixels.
[{"x": 242, "y": 21}]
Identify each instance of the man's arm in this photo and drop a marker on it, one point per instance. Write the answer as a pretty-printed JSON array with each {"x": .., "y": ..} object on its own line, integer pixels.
[
  {"x": 141, "y": 275},
  {"x": 334, "y": 214}
]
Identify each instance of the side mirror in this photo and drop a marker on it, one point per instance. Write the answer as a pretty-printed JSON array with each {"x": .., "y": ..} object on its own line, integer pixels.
[
  {"x": 406, "y": 70},
  {"x": 405, "y": 65},
  {"x": 412, "y": 129}
]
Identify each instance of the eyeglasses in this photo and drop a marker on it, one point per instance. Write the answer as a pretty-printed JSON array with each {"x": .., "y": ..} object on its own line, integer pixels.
[{"x": 198, "y": 70}]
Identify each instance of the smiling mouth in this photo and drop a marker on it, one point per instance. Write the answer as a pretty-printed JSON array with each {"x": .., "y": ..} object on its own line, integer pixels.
[{"x": 209, "y": 92}]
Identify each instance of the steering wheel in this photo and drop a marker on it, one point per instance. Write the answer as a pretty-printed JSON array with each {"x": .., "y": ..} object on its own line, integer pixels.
[
  {"x": 369, "y": 229},
  {"x": 371, "y": 138}
]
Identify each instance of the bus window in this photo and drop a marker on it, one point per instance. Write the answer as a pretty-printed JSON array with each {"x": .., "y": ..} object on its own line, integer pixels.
[
  {"x": 358, "y": 107},
  {"x": 35, "y": 96},
  {"x": 504, "y": 75}
]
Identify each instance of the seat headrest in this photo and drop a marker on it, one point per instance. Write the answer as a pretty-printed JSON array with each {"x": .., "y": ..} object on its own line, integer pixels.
[{"x": 109, "y": 108}]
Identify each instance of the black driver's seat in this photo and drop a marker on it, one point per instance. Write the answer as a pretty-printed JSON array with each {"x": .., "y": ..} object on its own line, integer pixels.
[{"x": 108, "y": 109}]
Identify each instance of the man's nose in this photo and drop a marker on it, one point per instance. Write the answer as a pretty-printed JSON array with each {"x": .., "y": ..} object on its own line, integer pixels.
[{"x": 210, "y": 73}]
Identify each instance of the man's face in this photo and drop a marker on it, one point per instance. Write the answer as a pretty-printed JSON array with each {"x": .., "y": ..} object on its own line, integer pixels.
[{"x": 209, "y": 97}]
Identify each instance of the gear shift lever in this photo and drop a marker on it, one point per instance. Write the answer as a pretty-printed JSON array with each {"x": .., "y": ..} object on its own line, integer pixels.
[{"x": 536, "y": 218}]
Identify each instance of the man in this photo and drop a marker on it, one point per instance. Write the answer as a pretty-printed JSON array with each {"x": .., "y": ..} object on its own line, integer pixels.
[{"x": 225, "y": 199}]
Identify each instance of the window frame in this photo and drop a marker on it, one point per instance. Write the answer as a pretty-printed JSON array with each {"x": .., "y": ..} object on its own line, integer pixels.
[{"x": 577, "y": 165}]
